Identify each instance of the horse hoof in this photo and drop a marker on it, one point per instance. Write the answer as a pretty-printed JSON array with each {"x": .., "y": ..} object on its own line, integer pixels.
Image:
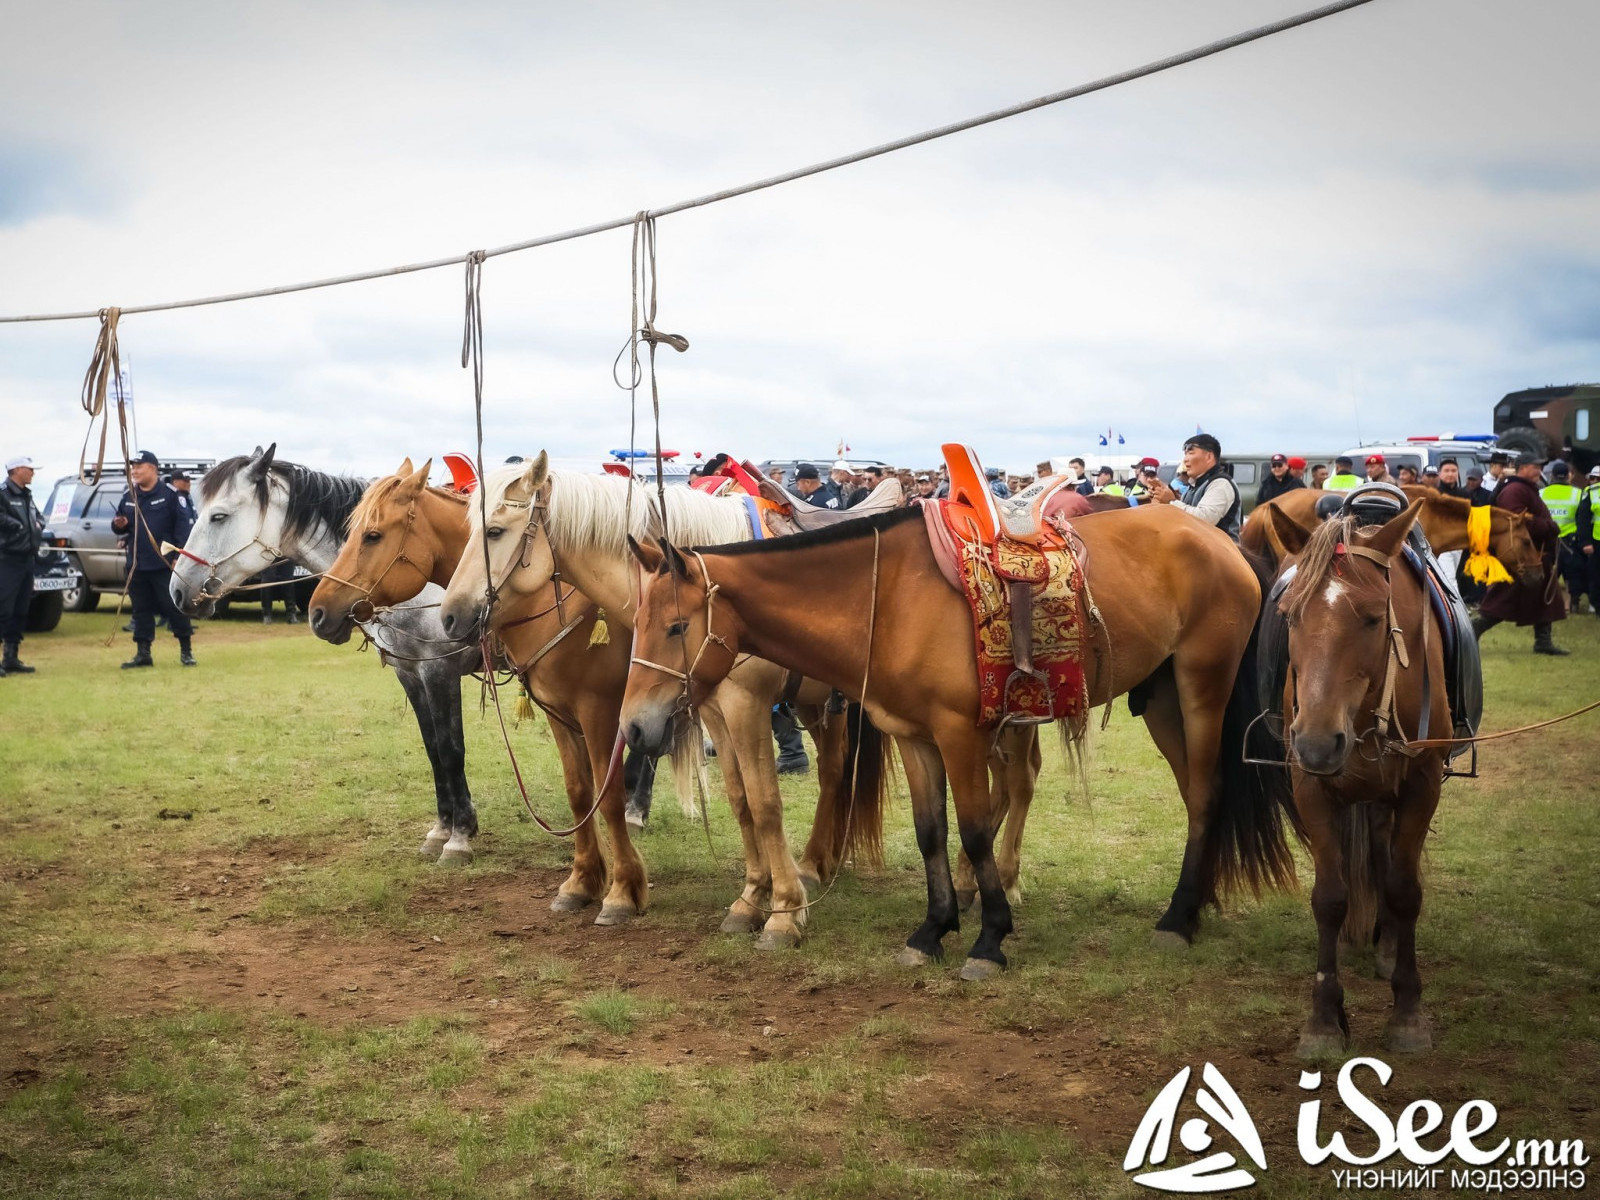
[
  {"x": 454, "y": 857},
  {"x": 740, "y": 922},
  {"x": 1321, "y": 1044},
  {"x": 966, "y": 899},
  {"x": 1014, "y": 895},
  {"x": 1167, "y": 941},
  {"x": 569, "y": 902},
  {"x": 810, "y": 880},
  {"x": 975, "y": 970},
  {"x": 634, "y": 817},
  {"x": 910, "y": 956},
  {"x": 616, "y": 914},
  {"x": 431, "y": 850},
  {"x": 778, "y": 939},
  {"x": 1408, "y": 1037}
]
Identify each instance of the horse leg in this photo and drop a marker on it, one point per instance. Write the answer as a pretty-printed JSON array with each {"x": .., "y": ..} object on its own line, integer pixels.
[
  {"x": 926, "y": 779},
  {"x": 1385, "y": 933},
  {"x": 1327, "y": 1029},
  {"x": 630, "y": 884},
  {"x": 1408, "y": 1030},
  {"x": 1163, "y": 717},
  {"x": 417, "y": 694},
  {"x": 745, "y": 914},
  {"x": 1021, "y": 769},
  {"x": 749, "y": 720},
  {"x": 444, "y": 691},
  {"x": 587, "y": 878},
  {"x": 967, "y": 762},
  {"x": 824, "y": 848},
  {"x": 966, "y": 881}
]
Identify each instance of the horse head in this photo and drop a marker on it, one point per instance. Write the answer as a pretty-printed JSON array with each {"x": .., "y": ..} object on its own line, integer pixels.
[
  {"x": 684, "y": 645},
  {"x": 1340, "y": 612},
  {"x": 1513, "y": 545},
  {"x": 386, "y": 558},
  {"x": 237, "y": 532},
  {"x": 508, "y": 551}
]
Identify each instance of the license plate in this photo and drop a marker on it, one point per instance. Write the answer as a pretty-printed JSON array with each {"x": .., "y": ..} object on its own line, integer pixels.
[{"x": 55, "y": 583}]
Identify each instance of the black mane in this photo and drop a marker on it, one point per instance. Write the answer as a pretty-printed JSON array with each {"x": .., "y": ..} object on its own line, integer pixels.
[
  {"x": 844, "y": 531},
  {"x": 315, "y": 498}
]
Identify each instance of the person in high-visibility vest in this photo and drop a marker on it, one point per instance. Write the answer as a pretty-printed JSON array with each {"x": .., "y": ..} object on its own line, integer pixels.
[
  {"x": 1588, "y": 518},
  {"x": 1344, "y": 477},
  {"x": 1561, "y": 498}
]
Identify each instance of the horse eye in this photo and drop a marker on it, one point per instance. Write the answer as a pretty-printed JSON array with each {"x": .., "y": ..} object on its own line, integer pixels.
[
  {"x": 493, "y": 532},
  {"x": 1373, "y": 621},
  {"x": 372, "y": 535},
  {"x": 677, "y": 629},
  {"x": 218, "y": 517}
]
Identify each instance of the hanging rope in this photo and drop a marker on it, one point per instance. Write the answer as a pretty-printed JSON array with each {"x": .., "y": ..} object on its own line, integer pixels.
[
  {"x": 105, "y": 364},
  {"x": 472, "y": 359},
  {"x": 915, "y": 139}
]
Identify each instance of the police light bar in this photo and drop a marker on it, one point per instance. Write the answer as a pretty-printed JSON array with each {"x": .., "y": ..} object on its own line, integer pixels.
[{"x": 625, "y": 454}]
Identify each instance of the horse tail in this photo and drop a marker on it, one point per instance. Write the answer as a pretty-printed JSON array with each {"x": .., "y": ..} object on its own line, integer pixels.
[
  {"x": 864, "y": 789},
  {"x": 1246, "y": 844},
  {"x": 1354, "y": 825}
]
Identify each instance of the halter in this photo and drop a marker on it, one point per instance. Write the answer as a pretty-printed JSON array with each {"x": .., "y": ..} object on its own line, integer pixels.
[
  {"x": 538, "y": 518},
  {"x": 363, "y": 610},
  {"x": 710, "y": 636},
  {"x": 206, "y": 585}
]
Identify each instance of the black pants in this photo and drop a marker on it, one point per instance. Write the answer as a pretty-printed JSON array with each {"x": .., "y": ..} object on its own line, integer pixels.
[
  {"x": 1575, "y": 568},
  {"x": 16, "y": 594},
  {"x": 787, "y": 732},
  {"x": 150, "y": 594}
]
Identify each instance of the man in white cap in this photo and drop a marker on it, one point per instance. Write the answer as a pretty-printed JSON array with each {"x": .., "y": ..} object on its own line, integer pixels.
[{"x": 20, "y": 529}]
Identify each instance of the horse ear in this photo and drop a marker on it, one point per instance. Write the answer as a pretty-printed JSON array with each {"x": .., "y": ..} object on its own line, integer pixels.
[
  {"x": 261, "y": 460},
  {"x": 1286, "y": 531},
  {"x": 405, "y": 468},
  {"x": 674, "y": 558},
  {"x": 1389, "y": 539},
  {"x": 538, "y": 472},
  {"x": 416, "y": 480},
  {"x": 648, "y": 556}
]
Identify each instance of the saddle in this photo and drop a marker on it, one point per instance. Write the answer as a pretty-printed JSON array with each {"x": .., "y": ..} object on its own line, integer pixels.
[
  {"x": 791, "y": 514},
  {"x": 1025, "y": 586}
]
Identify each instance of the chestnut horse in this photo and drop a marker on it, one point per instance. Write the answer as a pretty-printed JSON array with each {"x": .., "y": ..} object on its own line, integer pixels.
[
  {"x": 537, "y": 519},
  {"x": 1360, "y": 630},
  {"x": 1179, "y": 605},
  {"x": 1442, "y": 519},
  {"x": 404, "y": 535}
]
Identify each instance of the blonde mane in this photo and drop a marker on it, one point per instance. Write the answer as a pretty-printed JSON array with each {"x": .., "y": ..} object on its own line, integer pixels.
[
  {"x": 591, "y": 512},
  {"x": 378, "y": 491}
]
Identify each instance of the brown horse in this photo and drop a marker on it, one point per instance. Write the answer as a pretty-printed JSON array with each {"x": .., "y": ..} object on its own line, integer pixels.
[
  {"x": 405, "y": 535},
  {"x": 1179, "y": 606},
  {"x": 1365, "y": 672},
  {"x": 1443, "y": 520}
]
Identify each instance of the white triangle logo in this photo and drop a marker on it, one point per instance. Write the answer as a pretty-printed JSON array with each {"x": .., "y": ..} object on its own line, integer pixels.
[{"x": 1218, "y": 1172}]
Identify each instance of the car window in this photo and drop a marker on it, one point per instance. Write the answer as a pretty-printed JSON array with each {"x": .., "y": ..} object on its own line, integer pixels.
[
  {"x": 1244, "y": 472},
  {"x": 104, "y": 503}
]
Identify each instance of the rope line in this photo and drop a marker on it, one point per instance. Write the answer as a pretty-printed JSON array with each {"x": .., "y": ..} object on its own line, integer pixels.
[{"x": 916, "y": 139}]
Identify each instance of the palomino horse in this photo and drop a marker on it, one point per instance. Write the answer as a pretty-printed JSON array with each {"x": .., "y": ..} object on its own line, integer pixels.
[
  {"x": 1179, "y": 606},
  {"x": 542, "y": 524},
  {"x": 1365, "y": 670},
  {"x": 255, "y": 510},
  {"x": 1442, "y": 519},
  {"x": 405, "y": 535}
]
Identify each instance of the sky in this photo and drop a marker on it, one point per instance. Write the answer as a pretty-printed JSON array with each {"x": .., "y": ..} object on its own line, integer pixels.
[{"x": 1367, "y": 228}]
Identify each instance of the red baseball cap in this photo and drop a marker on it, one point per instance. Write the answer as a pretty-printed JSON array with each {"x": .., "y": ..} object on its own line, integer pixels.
[
  {"x": 1148, "y": 462},
  {"x": 1297, "y": 463},
  {"x": 1374, "y": 458}
]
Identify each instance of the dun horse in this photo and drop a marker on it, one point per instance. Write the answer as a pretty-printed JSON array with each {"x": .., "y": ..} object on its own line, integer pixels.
[
  {"x": 1365, "y": 672},
  {"x": 542, "y": 524},
  {"x": 1179, "y": 604}
]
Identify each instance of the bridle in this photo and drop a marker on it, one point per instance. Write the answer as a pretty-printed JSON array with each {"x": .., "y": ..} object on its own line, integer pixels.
[
  {"x": 363, "y": 610},
  {"x": 211, "y": 587},
  {"x": 711, "y": 637}
]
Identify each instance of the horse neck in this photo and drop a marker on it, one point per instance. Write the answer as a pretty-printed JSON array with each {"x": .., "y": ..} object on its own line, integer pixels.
[
  {"x": 317, "y": 546},
  {"x": 1444, "y": 522},
  {"x": 610, "y": 581},
  {"x": 445, "y": 524}
]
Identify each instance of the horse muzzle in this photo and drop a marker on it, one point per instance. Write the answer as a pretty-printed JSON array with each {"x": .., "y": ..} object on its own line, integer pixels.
[
  {"x": 1321, "y": 753},
  {"x": 334, "y": 631}
]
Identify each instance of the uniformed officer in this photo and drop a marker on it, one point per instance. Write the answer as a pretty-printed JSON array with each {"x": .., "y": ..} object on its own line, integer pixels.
[
  {"x": 21, "y": 527},
  {"x": 1561, "y": 498},
  {"x": 1212, "y": 496},
  {"x": 180, "y": 484},
  {"x": 150, "y": 514},
  {"x": 1588, "y": 518},
  {"x": 1344, "y": 477}
]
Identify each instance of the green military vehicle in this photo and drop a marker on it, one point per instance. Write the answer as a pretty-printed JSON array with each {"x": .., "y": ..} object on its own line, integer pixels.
[{"x": 1552, "y": 422}]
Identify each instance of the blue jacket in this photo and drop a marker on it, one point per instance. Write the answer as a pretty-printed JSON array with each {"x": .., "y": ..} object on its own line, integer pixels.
[{"x": 164, "y": 519}]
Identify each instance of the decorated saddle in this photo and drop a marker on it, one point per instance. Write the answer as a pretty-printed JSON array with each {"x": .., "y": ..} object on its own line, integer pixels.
[{"x": 1018, "y": 567}]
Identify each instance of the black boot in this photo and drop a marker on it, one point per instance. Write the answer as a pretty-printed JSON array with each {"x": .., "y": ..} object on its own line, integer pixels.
[
  {"x": 140, "y": 659},
  {"x": 1542, "y": 643},
  {"x": 294, "y": 616},
  {"x": 185, "y": 655},
  {"x": 1482, "y": 624},
  {"x": 12, "y": 664}
]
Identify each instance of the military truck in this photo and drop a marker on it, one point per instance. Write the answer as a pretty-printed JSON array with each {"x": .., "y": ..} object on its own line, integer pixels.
[{"x": 1552, "y": 422}]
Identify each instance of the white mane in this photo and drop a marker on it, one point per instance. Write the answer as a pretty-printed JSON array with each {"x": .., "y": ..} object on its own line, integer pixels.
[{"x": 591, "y": 512}]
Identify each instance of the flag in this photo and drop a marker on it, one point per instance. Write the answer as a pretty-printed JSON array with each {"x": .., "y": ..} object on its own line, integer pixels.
[
  {"x": 1103, "y": 441},
  {"x": 1121, "y": 441}
]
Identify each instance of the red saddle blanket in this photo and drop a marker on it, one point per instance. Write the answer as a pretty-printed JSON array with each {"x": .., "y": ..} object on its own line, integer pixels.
[{"x": 1055, "y": 688}]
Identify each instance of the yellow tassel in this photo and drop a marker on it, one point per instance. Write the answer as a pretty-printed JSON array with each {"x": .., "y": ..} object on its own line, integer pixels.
[
  {"x": 1481, "y": 565},
  {"x": 525, "y": 710},
  {"x": 602, "y": 632}
]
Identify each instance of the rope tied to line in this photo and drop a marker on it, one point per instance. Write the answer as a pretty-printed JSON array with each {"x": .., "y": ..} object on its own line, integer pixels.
[{"x": 105, "y": 364}]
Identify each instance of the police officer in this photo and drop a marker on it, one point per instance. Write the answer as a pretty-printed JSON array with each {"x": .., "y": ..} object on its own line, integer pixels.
[
  {"x": 20, "y": 533},
  {"x": 1212, "y": 496},
  {"x": 180, "y": 484},
  {"x": 1588, "y": 518},
  {"x": 1561, "y": 498},
  {"x": 150, "y": 514},
  {"x": 1344, "y": 477}
]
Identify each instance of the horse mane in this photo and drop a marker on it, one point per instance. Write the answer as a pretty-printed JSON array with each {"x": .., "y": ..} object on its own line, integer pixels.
[
  {"x": 379, "y": 490},
  {"x": 313, "y": 497},
  {"x": 591, "y": 512},
  {"x": 1316, "y": 563},
  {"x": 844, "y": 531}
]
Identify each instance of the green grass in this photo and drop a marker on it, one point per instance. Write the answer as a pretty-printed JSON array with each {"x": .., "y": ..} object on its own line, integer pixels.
[{"x": 456, "y": 1042}]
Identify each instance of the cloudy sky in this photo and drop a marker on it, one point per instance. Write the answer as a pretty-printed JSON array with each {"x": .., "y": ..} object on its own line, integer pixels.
[{"x": 1372, "y": 226}]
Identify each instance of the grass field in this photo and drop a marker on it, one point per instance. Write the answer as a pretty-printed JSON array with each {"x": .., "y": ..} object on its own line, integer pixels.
[{"x": 226, "y": 973}]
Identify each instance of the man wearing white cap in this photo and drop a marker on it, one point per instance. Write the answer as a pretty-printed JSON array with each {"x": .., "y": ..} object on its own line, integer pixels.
[{"x": 20, "y": 529}]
